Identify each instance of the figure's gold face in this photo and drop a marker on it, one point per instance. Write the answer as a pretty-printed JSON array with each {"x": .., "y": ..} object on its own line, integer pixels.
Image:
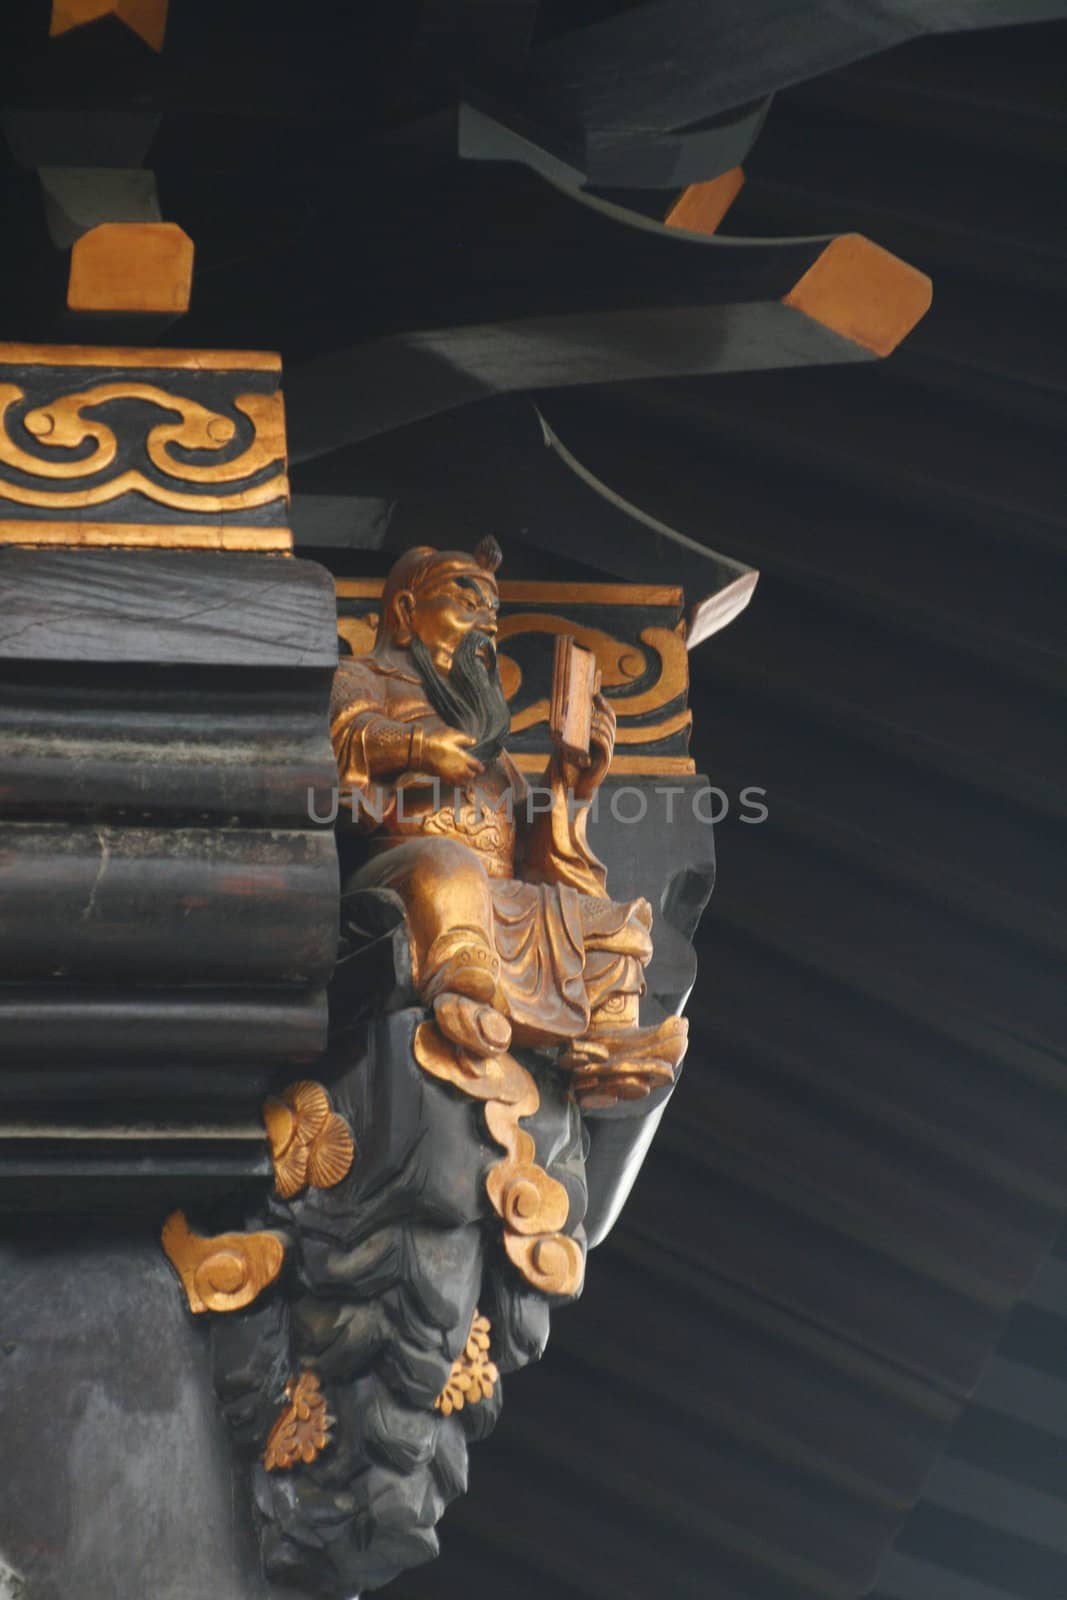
[{"x": 443, "y": 618}]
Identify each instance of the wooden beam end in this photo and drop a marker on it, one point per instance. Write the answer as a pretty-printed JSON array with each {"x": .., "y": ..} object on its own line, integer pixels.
[
  {"x": 863, "y": 293},
  {"x": 139, "y": 267},
  {"x": 68, "y": 14},
  {"x": 701, "y": 207},
  {"x": 146, "y": 18}
]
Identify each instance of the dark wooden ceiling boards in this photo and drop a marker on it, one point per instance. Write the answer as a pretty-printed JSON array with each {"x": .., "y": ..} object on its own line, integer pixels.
[{"x": 868, "y": 1158}]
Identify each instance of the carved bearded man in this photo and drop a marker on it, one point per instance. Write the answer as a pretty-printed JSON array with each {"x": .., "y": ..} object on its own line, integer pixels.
[{"x": 512, "y": 934}]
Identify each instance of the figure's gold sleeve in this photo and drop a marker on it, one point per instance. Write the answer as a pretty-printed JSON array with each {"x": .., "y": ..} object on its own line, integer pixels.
[
  {"x": 555, "y": 846},
  {"x": 368, "y": 745}
]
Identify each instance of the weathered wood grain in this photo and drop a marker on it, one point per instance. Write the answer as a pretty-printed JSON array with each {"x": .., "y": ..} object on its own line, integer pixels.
[
  {"x": 181, "y": 906},
  {"x": 161, "y": 607}
]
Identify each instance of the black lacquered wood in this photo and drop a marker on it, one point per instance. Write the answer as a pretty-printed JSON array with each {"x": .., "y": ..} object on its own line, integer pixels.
[{"x": 168, "y": 907}]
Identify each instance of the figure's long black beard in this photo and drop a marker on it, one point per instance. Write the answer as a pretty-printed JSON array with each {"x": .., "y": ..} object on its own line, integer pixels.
[{"x": 469, "y": 697}]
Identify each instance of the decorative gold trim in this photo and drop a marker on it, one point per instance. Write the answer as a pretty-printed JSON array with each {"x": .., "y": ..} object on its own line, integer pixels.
[
  {"x": 134, "y": 482},
  {"x": 532, "y": 590},
  {"x": 91, "y": 355},
  {"x": 620, "y": 662},
  {"x": 590, "y": 594},
  {"x": 359, "y": 588},
  {"x": 224, "y": 1273},
  {"x": 862, "y": 292},
  {"x": 533, "y": 764},
  {"x": 138, "y": 535},
  {"x": 532, "y": 1205},
  {"x": 304, "y": 1428},
  {"x": 473, "y": 1377},
  {"x": 652, "y": 766},
  {"x": 59, "y": 424},
  {"x": 310, "y": 1143},
  {"x": 649, "y": 732}
]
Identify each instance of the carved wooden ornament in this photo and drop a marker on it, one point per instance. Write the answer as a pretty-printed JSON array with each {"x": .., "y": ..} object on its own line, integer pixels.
[
  {"x": 225, "y": 1273},
  {"x": 473, "y": 1377},
  {"x": 487, "y": 1001},
  {"x": 302, "y": 1431},
  {"x": 310, "y": 1144},
  {"x": 124, "y": 446},
  {"x": 532, "y": 1206}
]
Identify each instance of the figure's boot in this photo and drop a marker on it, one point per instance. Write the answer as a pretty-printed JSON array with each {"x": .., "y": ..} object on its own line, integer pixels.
[{"x": 613, "y": 1062}]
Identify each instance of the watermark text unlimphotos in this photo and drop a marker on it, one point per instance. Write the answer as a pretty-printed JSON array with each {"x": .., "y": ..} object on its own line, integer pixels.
[{"x": 625, "y": 804}]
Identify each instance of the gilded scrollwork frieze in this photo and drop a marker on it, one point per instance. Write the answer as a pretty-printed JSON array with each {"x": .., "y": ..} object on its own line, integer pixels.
[
  {"x": 140, "y": 441},
  {"x": 61, "y": 427}
]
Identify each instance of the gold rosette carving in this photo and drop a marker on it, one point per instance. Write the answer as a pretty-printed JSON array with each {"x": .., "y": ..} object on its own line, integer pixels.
[
  {"x": 310, "y": 1143},
  {"x": 473, "y": 1377},
  {"x": 303, "y": 1430}
]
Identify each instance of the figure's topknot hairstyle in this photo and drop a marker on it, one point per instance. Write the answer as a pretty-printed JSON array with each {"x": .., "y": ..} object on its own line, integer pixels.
[{"x": 488, "y": 553}]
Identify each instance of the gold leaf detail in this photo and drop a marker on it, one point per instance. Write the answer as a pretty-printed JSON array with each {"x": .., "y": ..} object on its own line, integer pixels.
[
  {"x": 331, "y": 1154},
  {"x": 291, "y": 1171},
  {"x": 532, "y": 1204},
  {"x": 60, "y": 425},
  {"x": 552, "y": 1263},
  {"x": 311, "y": 1106},
  {"x": 473, "y": 1377},
  {"x": 359, "y": 633},
  {"x": 303, "y": 1430},
  {"x": 148, "y": 18},
  {"x": 310, "y": 1143},
  {"x": 224, "y": 1273}
]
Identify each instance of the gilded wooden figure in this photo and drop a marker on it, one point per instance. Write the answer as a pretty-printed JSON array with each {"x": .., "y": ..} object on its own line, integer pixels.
[{"x": 513, "y": 934}]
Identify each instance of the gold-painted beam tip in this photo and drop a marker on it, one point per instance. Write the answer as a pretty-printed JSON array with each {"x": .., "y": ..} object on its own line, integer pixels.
[
  {"x": 137, "y": 267},
  {"x": 68, "y": 14},
  {"x": 146, "y": 18},
  {"x": 701, "y": 207},
  {"x": 862, "y": 292}
]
